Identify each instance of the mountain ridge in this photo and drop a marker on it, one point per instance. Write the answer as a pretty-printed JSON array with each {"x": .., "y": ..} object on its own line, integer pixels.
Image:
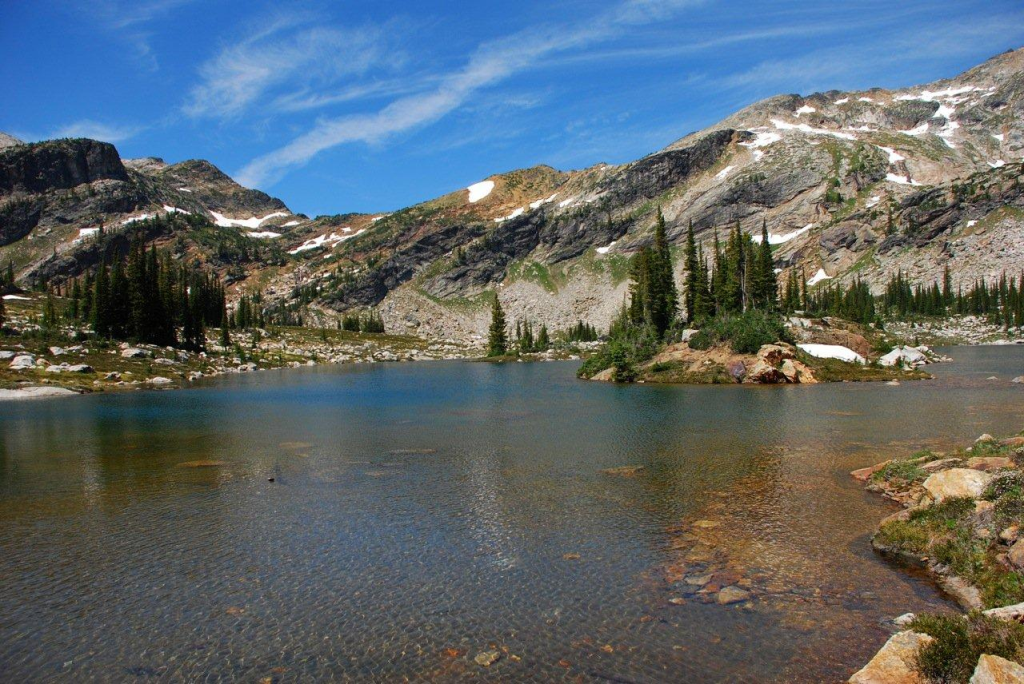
[{"x": 849, "y": 184}]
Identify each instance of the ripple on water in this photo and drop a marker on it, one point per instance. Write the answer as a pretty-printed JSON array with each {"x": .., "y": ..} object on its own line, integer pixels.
[{"x": 442, "y": 511}]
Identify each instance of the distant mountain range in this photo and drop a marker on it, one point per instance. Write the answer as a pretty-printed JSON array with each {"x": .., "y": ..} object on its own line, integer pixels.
[{"x": 850, "y": 184}]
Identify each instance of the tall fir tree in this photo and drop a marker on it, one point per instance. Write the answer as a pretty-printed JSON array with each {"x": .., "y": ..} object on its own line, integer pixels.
[
  {"x": 497, "y": 338},
  {"x": 693, "y": 275}
]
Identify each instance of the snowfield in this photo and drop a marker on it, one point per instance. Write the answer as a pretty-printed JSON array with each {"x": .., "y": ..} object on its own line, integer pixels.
[
  {"x": 515, "y": 214},
  {"x": 778, "y": 239},
  {"x": 806, "y": 109},
  {"x": 818, "y": 277},
  {"x": 894, "y": 156},
  {"x": 326, "y": 240},
  {"x": 254, "y": 222},
  {"x": 724, "y": 172},
  {"x": 535, "y": 205},
  {"x": 605, "y": 250},
  {"x": 901, "y": 180},
  {"x": 133, "y": 219},
  {"x": 477, "y": 191},
  {"x": 84, "y": 233},
  {"x": 832, "y": 351},
  {"x": 806, "y": 128},
  {"x": 917, "y": 130},
  {"x": 762, "y": 139}
]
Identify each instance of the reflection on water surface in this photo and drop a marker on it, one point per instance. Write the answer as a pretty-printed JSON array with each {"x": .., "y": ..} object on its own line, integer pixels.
[{"x": 420, "y": 514}]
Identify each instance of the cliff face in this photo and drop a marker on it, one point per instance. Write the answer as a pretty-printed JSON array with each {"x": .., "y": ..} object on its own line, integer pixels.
[{"x": 58, "y": 165}]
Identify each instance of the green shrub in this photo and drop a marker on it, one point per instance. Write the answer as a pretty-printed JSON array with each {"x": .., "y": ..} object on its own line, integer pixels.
[
  {"x": 745, "y": 333},
  {"x": 961, "y": 640},
  {"x": 905, "y": 470},
  {"x": 1005, "y": 484}
]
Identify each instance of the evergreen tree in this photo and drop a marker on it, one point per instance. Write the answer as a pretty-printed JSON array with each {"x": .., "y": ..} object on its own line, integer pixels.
[
  {"x": 765, "y": 286},
  {"x": 225, "y": 334},
  {"x": 101, "y": 323},
  {"x": 497, "y": 339},
  {"x": 692, "y": 275},
  {"x": 543, "y": 340}
]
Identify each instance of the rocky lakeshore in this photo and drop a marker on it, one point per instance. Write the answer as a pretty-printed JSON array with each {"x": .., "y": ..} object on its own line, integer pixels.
[
  {"x": 814, "y": 350},
  {"x": 961, "y": 524},
  {"x": 35, "y": 364}
]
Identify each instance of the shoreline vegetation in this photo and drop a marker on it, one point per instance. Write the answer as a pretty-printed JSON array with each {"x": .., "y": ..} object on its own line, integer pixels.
[
  {"x": 732, "y": 323},
  {"x": 51, "y": 360},
  {"x": 962, "y": 523}
]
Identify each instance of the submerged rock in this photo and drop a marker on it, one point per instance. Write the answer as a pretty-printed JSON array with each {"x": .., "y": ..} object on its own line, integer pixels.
[
  {"x": 623, "y": 471},
  {"x": 487, "y": 658},
  {"x": 731, "y": 595}
]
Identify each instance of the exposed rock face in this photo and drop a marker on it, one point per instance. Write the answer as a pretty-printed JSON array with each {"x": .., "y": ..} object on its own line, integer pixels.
[
  {"x": 8, "y": 141},
  {"x": 992, "y": 669},
  {"x": 58, "y": 165},
  {"x": 957, "y": 482},
  {"x": 896, "y": 662}
]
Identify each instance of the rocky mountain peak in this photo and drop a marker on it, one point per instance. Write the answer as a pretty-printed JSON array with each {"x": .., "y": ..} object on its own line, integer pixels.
[{"x": 8, "y": 140}]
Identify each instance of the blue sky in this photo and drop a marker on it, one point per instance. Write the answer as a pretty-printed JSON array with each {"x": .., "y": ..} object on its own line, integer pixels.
[{"x": 371, "y": 106}]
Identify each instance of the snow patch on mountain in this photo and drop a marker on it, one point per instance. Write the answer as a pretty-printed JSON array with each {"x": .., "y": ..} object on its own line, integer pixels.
[
  {"x": 326, "y": 240},
  {"x": 515, "y": 214},
  {"x": 894, "y": 156},
  {"x": 819, "y": 277},
  {"x": 254, "y": 222},
  {"x": 535, "y": 205},
  {"x": 901, "y": 180},
  {"x": 806, "y": 128},
  {"x": 477, "y": 191},
  {"x": 917, "y": 130},
  {"x": 724, "y": 172},
  {"x": 778, "y": 239}
]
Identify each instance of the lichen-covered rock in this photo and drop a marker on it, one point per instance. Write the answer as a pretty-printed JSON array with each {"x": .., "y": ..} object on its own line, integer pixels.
[
  {"x": 1016, "y": 555},
  {"x": 992, "y": 669},
  {"x": 896, "y": 662},
  {"x": 23, "y": 362},
  {"x": 957, "y": 482},
  {"x": 989, "y": 463}
]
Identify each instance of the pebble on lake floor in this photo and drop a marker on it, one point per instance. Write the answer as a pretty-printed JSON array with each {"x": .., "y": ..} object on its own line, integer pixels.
[{"x": 487, "y": 658}]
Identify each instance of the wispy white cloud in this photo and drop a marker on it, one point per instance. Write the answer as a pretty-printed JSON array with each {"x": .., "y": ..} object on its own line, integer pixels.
[
  {"x": 842, "y": 65},
  {"x": 129, "y": 19},
  {"x": 490, "y": 64},
  {"x": 87, "y": 128},
  {"x": 121, "y": 14},
  {"x": 288, "y": 53}
]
